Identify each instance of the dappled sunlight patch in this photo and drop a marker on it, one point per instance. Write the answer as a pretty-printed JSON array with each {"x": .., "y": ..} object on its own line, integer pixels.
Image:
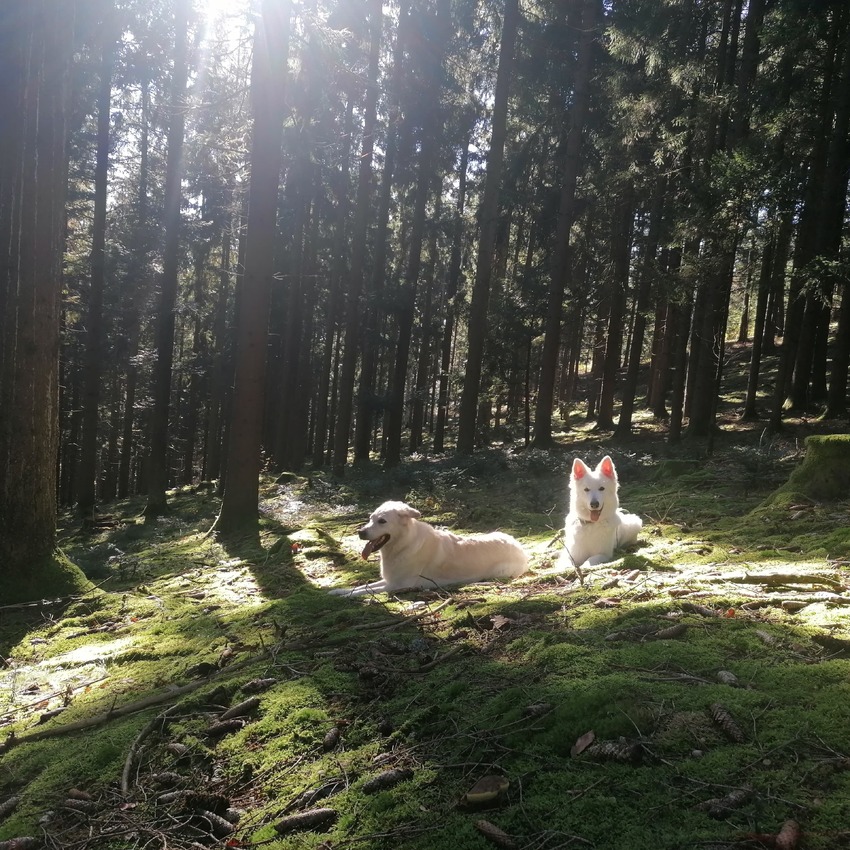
[
  {"x": 32, "y": 689},
  {"x": 232, "y": 582}
]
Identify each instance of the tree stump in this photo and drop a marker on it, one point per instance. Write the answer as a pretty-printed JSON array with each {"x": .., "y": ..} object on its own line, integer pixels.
[{"x": 823, "y": 475}]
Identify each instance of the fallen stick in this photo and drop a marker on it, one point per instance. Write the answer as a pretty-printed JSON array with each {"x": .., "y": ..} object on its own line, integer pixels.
[
  {"x": 136, "y": 746},
  {"x": 786, "y": 578}
]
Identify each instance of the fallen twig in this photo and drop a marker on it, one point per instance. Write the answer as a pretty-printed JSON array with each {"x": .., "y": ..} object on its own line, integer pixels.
[
  {"x": 778, "y": 579},
  {"x": 136, "y": 746}
]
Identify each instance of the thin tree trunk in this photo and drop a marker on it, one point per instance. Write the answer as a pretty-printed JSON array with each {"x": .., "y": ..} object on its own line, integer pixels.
[
  {"x": 218, "y": 369},
  {"x": 360, "y": 231},
  {"x": 158, "y": 475},
  {"x": 93, "y": 360},
  {"x": 644, "y": 289},
  {"x": 489, "y": 220},
  {"x": 620, "y": 254},
  {"x": 451, "y": 293},
  {"x": 394, "y": 418},
  {"x": 566, "y": 215},
  {"x": 750, "y": 411},
  {"x": 422, "y": 381},
  {"x": 369, "y": 360},
  {"x": 131, "y": 309}
]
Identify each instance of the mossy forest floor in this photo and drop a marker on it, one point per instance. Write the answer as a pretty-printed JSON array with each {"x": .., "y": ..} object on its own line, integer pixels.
[{"x": 693, "y": 694}]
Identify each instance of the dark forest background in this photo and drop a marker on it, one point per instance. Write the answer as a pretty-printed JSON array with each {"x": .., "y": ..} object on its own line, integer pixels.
[{"x": 242, "y": 238}]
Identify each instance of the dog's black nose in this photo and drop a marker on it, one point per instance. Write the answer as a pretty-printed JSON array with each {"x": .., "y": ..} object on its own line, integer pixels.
[
  {"x": 594, "y": 504},
  {"x": 362, "y": 533}
]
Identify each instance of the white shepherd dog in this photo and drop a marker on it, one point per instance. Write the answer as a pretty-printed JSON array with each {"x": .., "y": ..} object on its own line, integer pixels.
[
  {"x": 416, "y": 555},
  {"x": 595, "y": 525}
]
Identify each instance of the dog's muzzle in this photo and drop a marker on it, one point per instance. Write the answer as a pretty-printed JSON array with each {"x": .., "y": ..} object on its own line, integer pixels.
[{"x": 372, "y": 545}]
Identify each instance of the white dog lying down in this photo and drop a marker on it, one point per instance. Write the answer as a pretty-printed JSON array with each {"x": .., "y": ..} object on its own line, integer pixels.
[
  {"x": 417, "y": 555},
  {"x": 595, "y": 525}
]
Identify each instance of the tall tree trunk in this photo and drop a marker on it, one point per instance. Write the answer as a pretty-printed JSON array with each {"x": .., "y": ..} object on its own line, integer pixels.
[
  {"x": 218, "y": 367},
  {"x": 394, "y": 419},
  {"x": 451, "y": 293},
  {"x": 93, "y": 360},
  {"x": 140, "y": 279},
  {"x": 36, "y": 43},
  {"x": 750, "y": 411},
  {"x": 620, "y": 256},
  {"x": 648, "y": 270},
  {"x": 566, "y": 215},
  {"x": 239, "y": 505},
  {"x": 360, "y": 231},
  {"x": 198, "y": 369},
  {"x": 489, "y": 220},
  {"x": 370, "y": 342},
  {"x": 423, "y": 362},
  {"x": 835, "y": 204},
  {"x": 683, "y": 315},
  {"x": 793, "y": 374},
  {"x": 158, "y": 462},
  {"x": 808, "y": 385}
]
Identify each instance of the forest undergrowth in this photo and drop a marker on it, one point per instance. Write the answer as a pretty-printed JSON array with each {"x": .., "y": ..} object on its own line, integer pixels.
[{"x": 695, "y": 693}]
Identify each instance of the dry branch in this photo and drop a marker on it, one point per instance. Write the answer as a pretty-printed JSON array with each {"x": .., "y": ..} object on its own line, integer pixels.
[
  {"x": 779, "y": 579},
  {"x": 136, "y": 746}
]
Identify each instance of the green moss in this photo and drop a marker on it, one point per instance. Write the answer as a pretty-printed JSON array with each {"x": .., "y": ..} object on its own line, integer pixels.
[
  {"x": 452, "y": 695},
  {"x": 824, "y": 473}
]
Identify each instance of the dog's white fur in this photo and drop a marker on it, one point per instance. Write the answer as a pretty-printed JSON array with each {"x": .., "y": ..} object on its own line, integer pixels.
[
  {"x": 416, "y": 555},
  {"x": 595, "y": 525}
]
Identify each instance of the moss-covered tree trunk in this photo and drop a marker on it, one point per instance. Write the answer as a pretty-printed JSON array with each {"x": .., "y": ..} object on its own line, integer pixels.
[{"x": 824, "y": 474}]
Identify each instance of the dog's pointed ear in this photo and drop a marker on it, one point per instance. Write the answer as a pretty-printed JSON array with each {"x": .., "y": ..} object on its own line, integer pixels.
[
  {"x": 606, "y": 467},
  {"x": 409, "y": 512},
  {"x": 579, "y": 469}
]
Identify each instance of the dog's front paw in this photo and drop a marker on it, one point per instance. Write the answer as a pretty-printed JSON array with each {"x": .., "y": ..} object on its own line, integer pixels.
[{"x": 340, "y": 591}]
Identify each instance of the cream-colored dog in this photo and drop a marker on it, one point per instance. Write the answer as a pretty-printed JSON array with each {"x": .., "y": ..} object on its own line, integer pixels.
[{"x": 416, "y": 555}]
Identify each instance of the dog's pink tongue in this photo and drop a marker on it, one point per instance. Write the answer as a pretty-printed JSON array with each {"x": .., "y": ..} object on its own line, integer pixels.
[
  {"x": 368, "y": 549},
  {"x": 594, "y": 516}
]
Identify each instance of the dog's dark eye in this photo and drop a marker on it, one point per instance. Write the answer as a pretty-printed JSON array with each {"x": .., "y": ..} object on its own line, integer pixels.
[
  {"x": 601, "y": 488},
  {"x": 382, "y": 521},
  {"x": 587, "y": 489}
]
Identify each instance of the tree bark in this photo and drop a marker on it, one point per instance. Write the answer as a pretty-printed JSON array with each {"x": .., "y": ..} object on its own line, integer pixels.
[
  {"x": 576, "y": 118},
  {"x": 239, "y": 506},
  {"x": 359, "y": 235},
  {"x": 369, "y": 359},
  {"x": 394, "y": 419},
  {"x": 157, "y": 474},
  {"x": 35, "y": 54},
  {"x": 451, "y": 293},
  {"x": 93, "y": 362},
  {"x": 489, "y": 219},
  {"x": 621, "y": 242},
  {"x": 644, "y": 289}
]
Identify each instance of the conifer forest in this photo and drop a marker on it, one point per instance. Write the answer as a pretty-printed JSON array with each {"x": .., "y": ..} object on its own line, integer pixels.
[{"x": 248, "y": 237}]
